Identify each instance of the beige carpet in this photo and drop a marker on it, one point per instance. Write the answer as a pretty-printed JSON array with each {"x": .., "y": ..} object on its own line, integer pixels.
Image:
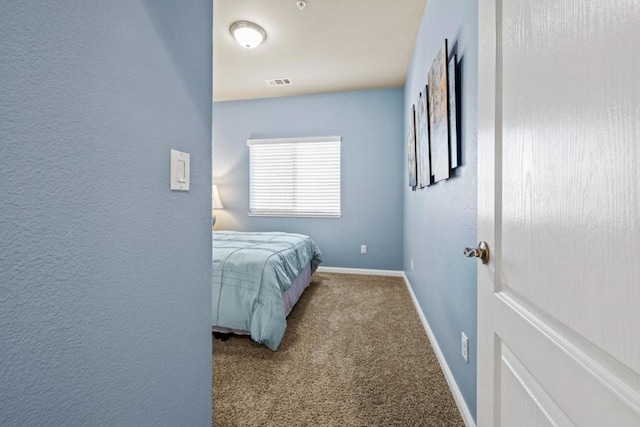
[{"x": 355, "y": 354}]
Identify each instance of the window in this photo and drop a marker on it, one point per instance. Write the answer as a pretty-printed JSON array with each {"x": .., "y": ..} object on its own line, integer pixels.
[{"x": 294, "y": 177}]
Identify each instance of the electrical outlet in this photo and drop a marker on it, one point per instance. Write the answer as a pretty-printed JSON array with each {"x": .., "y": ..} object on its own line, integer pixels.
[
  {"x": 465, "y": 348},
  {"x": 363, "y": 249},
  {"x": 411, "y": 264}
]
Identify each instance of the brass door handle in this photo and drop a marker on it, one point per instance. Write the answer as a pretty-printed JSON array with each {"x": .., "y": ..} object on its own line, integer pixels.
[{"x": 482, "y": 252}]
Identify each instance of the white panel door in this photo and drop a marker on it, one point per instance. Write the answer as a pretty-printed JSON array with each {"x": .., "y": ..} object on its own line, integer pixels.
[{"x": 559, "y": 206}]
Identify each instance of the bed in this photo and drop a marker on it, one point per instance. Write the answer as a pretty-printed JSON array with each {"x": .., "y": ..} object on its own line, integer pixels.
[{"x": 257, "y": 278}]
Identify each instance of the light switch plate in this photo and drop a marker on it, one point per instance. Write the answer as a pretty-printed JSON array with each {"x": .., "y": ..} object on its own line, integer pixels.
[
  {"x": 180, "y": 171},
  {"x": 465, "y": 347}
]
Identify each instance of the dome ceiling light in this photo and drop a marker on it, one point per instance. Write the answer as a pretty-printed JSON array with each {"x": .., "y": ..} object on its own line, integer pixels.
[{"x": 247, "y": 34}]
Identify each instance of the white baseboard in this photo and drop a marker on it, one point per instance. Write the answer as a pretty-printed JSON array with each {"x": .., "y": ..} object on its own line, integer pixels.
[
  {"x": 365, "y": 271},
  {"x": 457, "y": 395}
]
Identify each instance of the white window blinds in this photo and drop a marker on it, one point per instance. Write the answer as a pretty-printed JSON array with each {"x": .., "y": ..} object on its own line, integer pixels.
[{"x": 294, "y": 177}]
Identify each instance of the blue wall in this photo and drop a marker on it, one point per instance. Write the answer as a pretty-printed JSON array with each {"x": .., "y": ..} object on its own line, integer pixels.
[
  {"x": 439, "y": 221},
  {"x": 371, "y": 125},
  {"x": 105, "y": 294}
]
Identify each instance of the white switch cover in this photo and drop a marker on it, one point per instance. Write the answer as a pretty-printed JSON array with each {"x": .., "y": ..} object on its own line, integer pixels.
[
  {"x": 179, "y": 171},
  {"x": 465, "y": 348}
]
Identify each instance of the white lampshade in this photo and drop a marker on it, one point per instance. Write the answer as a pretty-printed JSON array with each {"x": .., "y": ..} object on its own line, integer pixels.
[
  {"x": 247, "y": 34},
  {"x": 217, "y": 204}
]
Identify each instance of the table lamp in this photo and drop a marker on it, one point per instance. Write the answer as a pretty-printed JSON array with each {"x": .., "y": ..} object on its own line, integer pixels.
[{"x": 216, "y": 204}]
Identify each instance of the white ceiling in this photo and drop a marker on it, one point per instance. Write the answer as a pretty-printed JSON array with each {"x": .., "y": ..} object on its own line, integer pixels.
[{"x": 330, "y": 46}]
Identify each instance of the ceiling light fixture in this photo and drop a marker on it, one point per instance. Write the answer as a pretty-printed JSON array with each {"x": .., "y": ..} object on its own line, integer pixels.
[{"x": 247, "y": 34}]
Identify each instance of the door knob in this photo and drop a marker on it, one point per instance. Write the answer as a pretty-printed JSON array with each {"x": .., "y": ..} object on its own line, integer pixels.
[{"x": 482, "y": 252}]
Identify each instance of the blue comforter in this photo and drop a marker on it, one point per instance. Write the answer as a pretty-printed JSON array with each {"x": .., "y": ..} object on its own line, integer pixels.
[{"x": 250, "y": 273}]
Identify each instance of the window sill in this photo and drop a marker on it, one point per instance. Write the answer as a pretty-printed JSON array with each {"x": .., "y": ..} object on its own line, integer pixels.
[{"x": 294, "y": 215}]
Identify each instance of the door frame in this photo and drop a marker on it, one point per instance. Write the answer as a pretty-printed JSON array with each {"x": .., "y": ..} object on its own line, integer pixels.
[{"x": 489, "y": 206}]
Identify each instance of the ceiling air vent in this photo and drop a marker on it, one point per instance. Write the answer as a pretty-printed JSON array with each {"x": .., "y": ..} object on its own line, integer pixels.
[{"x": 279, "y": 82}]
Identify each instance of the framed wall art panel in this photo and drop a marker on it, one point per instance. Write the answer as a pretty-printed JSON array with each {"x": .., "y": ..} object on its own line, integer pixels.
[
  {"x": 439, "y": 116},
  {"x": 411, "y": 149}
]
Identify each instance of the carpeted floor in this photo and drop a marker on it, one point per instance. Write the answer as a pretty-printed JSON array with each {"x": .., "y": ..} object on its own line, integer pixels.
[{"x": 355, "y": 354}]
